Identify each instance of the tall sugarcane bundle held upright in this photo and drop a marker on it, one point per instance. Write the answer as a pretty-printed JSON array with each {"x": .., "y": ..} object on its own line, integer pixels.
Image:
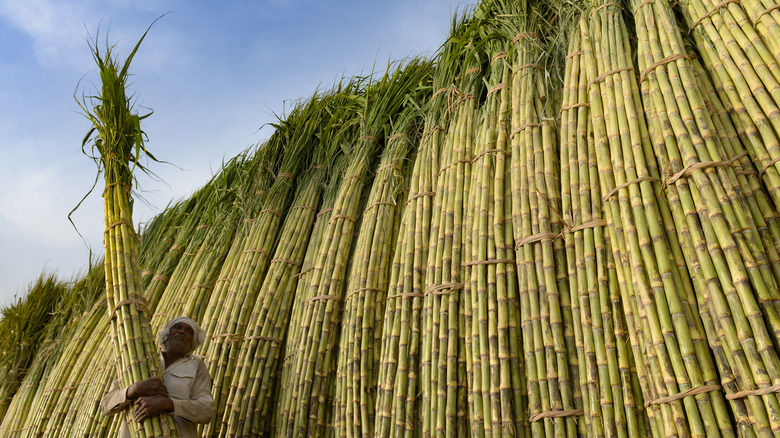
[{"x": 119, "y": 141}]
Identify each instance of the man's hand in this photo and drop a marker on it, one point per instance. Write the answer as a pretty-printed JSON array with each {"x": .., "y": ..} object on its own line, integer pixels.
[
  {"x": 146, "y": 407},
  {"x": 150, "y": 387}
]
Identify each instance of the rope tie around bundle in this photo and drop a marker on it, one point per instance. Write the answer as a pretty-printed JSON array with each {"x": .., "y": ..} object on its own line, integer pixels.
[
  {"x": 603, "y": 76},
  {"x": 444, "y": 289},
  {"x": 287, "y": 261},
  {"x": 160, "y": 277},
  {"x": 364, "y": 289},
  {"x": 753, "y": 392},
  {"x": 521, "y": 35},
  {"x": 128, "y": 186},
  {"x": 342, "y": 216},
  {"x": 497, "y": 56},
  {"x": 302, "y": 273},
  {"x": 767, "y": 166},
  {"x": 556, "y": 414},
  {"x": 657, "y": 64},
  {"x": 264, "y": 338},
  {"x": 766, "y": 11},
  {"x": 139, "y": 302},
  {"x": 683, "y": 394},
  {"x": 710, "y": 12},
  {"x": 626, "y": 184},
  {"x": 489, "y": 151},
  {"x": 323, "y": 298},
  {"x": 605, "y": 5},
  {"x": 689, "y": 169},
  {"x": 496, "y": 87},
  {"x": 117, "y": 223},
  {"x": 419, "y": 195},
  {"x": 273, "y": 212}
]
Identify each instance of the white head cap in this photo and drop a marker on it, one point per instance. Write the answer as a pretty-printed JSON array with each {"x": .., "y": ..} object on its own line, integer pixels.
[{"x": 197, "y": 339}]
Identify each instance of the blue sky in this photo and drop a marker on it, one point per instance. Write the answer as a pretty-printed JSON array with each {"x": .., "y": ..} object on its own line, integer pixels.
[{"x": 213, "y": 72}]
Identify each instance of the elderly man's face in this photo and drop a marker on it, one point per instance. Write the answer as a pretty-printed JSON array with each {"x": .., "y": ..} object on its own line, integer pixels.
[{"x": 180, "y": 338}]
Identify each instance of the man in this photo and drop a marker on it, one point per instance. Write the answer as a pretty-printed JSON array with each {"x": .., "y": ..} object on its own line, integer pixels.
[{"x": 186, "y": 392}]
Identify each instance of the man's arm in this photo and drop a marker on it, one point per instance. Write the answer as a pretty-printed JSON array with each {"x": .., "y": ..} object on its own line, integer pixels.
[{"x": 115, "y": 400}]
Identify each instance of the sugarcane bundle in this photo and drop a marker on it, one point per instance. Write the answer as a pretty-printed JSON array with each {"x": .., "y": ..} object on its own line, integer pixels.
[
  {"x": 740, "y": 287},
  {"x": 280, "y": 403},
  {"x": 253, "y": 381},
  {"x": 443, "y": 407},
  {"x": 682, "y": 393},
  {"x": 358, "y": 360},
  {"x": 492, "y": 349},
  {"x": 397, "y": 404},
  {"x": 612, "y": 404},
  {"x": 252, "y": 264},
  {"x": 745, "y": 57},
  {"x": 546, "y": 317},
  {"x": 118, "y": 143}
]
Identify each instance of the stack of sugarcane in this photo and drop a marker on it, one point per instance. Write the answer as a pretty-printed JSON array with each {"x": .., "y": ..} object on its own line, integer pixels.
[
  {"x": 489, "y": 297},
  {"x": 256, "y": 370},
  {"x": 680, "y": 390},
  {"x": 611, "y": 402},
  {"x": 309, "y": 398},
  {"x": 119, "y": 142},
  {"x": 548, "y": 342},
  {"x": 739, "y": 45},
  {"x": 397, "y": 404},
  {"x": 363, "y": 314},
  {"x": 281, "y": 396},
  {"x": 734, "y": 281},
  {"x": 443, "y": 408},
  {"x": 235, "y": 298}
]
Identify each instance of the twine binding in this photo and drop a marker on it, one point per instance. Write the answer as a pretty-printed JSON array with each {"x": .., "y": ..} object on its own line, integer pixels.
[
  {"x": 575, "y": 53},
  {"x": 323, "y": 297},
  {"x": 524, "y": 126},
  {"x": 489, "y": 262},
  {"x": 160, "y": 277},
  {"x": 497, "y": 56},
  {"x": 356, "y": 291},
  {"x": 765, "y": 168},
  {"x": 679, "y": 395},
  {"x": 611, "y": 72},
  {"x": 325, "y": 210},
  {"x": 288, "y": 261},
  {"x": 522, "y": 35},
  {"x": 444, "y": 289},
  {"x": 264, "y": 338},
  {"x": 666, "y": 60},
  {"x": 626, "y": 184},
  {"x": 589, "y": 224},
  {"x": 688, "y": 170},
  {"x": 139, "y": 302},
  {"x": 710, "y": 12},
  {"x": 304, "y": 272},
  {"x": 556, "y": 414},
  {"x": 489, "y": 151},
  {"x": 766, "y": 11},
  {"x": 576, "y": 105},
  {"x": 496, "y": 87},
  {"x": 753, "y": 392},
  {"x": 537, "y": 238},
  {"x": 117, "y": 223},
  {"x": 419, "y": 195},
  {"x": 604, "y": 6},
  {"x": 342, "y": 216},
  {"x": 644, "y": 3}
]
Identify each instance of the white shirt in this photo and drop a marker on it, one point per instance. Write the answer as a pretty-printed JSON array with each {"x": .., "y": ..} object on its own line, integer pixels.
[{"x": 189, "y": 386}]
